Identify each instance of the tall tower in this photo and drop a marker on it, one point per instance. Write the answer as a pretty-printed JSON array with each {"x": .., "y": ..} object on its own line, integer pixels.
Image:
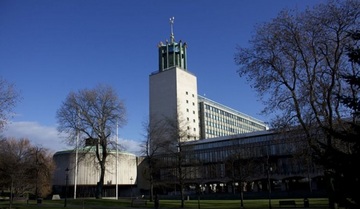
[{"x": 173, "y": 89}]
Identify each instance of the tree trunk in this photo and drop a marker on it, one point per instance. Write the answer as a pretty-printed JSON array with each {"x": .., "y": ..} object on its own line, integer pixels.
[
  {"x": 11, "y": 193},
  {"x": 100, "y": 184},
  {"x": 98, "y": 191},
  {"x": 241, "y": 199},
  {"x": 182, "y": 195},
  {"x": 151, "y": 190}
]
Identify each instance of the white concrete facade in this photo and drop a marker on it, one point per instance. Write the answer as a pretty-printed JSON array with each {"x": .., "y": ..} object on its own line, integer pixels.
[
  {"x": 88, "y": 171},
  {"x": 173, "y": 93}
]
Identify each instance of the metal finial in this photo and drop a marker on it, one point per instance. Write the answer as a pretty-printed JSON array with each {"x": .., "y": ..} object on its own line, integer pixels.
[{"x": 172, "y": 38}]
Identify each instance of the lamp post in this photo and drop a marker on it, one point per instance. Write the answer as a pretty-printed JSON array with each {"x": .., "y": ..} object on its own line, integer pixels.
[
  {"x": 131, "y": 185},
  {"x": 269, "y": 169},
  {"x": 66, "y": 185}
]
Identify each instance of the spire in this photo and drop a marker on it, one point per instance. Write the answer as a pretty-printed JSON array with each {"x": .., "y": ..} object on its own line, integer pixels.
[
  {"x": 171, "y": 53},
  {"x": 172, "y": 37}
]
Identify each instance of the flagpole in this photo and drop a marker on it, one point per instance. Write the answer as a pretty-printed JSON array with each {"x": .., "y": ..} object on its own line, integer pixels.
[
  {"x": 117, "y": 156},
  {"x": 76, "y": 165},
  {"x": 76, "y": 159}
]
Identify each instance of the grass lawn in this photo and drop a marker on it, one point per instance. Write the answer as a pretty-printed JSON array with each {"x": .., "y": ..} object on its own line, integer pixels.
[{"x": 164, "y": 204}]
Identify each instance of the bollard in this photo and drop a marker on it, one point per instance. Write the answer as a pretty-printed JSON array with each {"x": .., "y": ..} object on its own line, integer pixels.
[{"x": 306, "y": 203}]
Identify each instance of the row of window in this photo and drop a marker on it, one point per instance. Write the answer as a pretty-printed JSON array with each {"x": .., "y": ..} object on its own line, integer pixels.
[
  {"x": 187, "y": 110},
  {"x": 236, "y": 121},
  {"x": 253, "y": 150},
  {"x": 224, "y": 113},
  {"x": 187, "y": 93},
  {"x": 193, "y": 104},
  {"x": 193, "y": 128},
  {"x": 283, "y": 166},
  {"x": 215, "y": 133},
  {"x": 234, "y": 128},
  {"x": 232, "y": 143},
  {"x": 187, "y": 102}
]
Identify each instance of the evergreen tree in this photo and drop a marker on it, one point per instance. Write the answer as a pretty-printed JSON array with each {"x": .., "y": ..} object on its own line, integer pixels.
[{"x": 343, "y": 161}]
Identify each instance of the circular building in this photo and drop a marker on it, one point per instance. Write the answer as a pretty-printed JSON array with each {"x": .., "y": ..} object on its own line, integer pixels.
[{"x": 77, "y": 173}]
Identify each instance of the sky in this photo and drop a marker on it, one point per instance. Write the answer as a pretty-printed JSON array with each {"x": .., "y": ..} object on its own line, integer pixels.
[{"x": 49, "y": 48}]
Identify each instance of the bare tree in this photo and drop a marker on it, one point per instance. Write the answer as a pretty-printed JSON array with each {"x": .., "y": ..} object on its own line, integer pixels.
[
  {"x": 153, "y": 146},
  {"x": 295, "y": 63},
  {"x": 14, "y": 166},
  {"x": 94, "y": 115},
  {"x": 9, "y": 96},
  {"x": 177, "y": 132},
  {"x": 41, "y": 171},
  {"x": 167, "y": 134},
  {"x": 24, "y": 168},
  {"x": 241, "y": 168}
]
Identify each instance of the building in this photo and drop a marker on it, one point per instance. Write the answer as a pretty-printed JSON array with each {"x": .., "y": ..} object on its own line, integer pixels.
[
  {"x": 283, "y": 159},
  {"x": 224, "y": 138},
  {"x": 218, "y": 139},
  {"x": 80, "y": 179},
  {"x": 219, "y": 120},
  {"x": 173, "y": 89},
  {"x": 173, "y": 94},
  {"x": 250, "y": 162}
]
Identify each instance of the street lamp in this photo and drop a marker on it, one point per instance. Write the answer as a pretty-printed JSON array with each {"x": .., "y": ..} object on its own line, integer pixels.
[
  {"x": 66, "y": 185},
  {"x": 269, "y": 169},
  {"x": 131, "y": 178}
]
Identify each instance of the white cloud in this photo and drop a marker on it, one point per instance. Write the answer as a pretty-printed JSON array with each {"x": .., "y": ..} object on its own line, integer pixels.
[
  {"x": 48, "y": 136},
  {"x": 44, "y": 136},
  {"x": 131, "y": 146}
]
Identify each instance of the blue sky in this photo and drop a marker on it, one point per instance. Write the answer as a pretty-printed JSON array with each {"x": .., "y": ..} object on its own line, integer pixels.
[{"x": 49, "y": 48}]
